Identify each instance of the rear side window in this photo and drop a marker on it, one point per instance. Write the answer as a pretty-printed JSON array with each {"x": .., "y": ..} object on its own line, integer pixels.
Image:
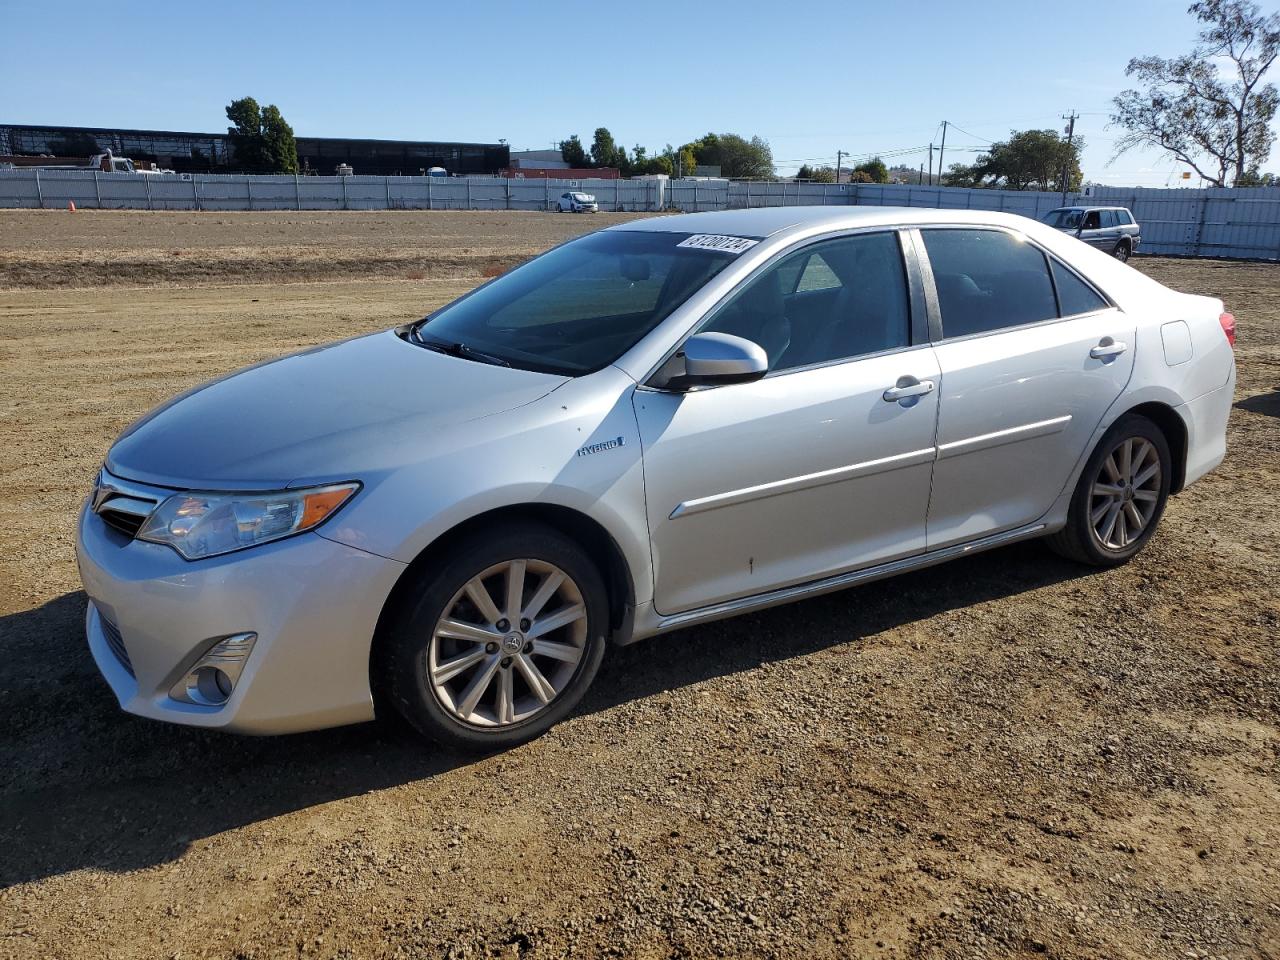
[
  {"x": 1109, "y": 218},
  {"x": 1124, "y": 216},
  {"x": 988, "y": 280},
  {"x": 1074, "y": 295}
]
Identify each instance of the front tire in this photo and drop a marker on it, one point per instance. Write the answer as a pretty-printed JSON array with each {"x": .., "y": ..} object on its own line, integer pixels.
[
  {"x": 1120, "y": 497},
  {"x": 498, "y": 642},
  {"x": 1122, "y": 251}
]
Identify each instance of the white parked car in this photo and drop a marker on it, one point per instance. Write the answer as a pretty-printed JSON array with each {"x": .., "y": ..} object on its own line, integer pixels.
[
  {"x": 656, "y": 425},
  {"x": 575, "y": 202}
]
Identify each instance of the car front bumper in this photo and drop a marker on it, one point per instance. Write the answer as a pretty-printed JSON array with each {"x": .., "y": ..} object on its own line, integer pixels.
[{"x": 313, "y": 603}]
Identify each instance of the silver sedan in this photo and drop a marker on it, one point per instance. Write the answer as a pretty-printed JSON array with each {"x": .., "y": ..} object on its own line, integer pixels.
[{"x": 660, "y": 424}]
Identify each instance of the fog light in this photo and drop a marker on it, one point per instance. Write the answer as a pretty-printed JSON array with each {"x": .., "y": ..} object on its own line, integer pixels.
[{"x": 212, "y": 679}]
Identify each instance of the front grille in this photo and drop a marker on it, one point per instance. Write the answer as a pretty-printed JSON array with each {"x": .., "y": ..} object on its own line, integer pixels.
[
  {"x": 124, "y": 505},
  {"x": 127, "y": 523},
  {"x": 116, "y": 642}
]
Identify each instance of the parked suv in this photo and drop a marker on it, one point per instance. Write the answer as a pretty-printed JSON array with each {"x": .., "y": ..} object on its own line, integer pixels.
[
  {"x": 1110, "y": 229},
  {"x": 657, "y": 425}
]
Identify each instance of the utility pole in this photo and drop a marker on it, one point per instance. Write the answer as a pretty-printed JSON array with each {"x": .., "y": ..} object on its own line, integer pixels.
[
  {"x": 942, "y": 149},
  {"x": 839, "y": 156},
  {"x": 921, "y": 180},
  {"x": 1066, "y": 162},
  {"x": 931, "y": 164}
]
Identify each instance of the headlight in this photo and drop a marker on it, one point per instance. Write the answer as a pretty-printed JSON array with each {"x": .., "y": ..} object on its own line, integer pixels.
[{"x": 204, "y": 524}]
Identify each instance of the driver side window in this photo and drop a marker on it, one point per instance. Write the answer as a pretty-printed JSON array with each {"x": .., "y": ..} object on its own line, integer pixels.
[{"x": 832, "y": 300}]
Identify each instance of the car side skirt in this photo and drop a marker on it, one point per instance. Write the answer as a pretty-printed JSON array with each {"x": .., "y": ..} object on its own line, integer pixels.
[{"x": 648, "y": 622}]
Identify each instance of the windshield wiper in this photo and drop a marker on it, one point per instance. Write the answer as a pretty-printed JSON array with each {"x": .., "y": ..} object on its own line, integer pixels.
[{"x": 458, "y": 349}]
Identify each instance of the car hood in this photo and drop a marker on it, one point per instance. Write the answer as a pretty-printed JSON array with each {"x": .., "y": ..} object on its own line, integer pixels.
[{"x": 334, "y": 411}]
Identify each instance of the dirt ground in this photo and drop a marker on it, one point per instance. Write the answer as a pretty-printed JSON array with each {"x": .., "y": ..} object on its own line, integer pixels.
[{"x": 1007, "y": 756}]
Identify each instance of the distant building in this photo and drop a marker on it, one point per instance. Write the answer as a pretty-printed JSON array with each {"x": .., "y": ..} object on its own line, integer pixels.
[
  {"x": 215, "y": 152},
  {"x": 564, "y": 172},
  {"x": 538, "y": 159}
]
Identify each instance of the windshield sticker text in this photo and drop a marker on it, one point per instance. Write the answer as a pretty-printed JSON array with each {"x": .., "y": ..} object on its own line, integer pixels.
[{"x": 711, "y": 241}]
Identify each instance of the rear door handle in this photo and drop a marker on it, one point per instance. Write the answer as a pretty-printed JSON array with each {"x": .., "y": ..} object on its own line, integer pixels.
[
  {"x": 908, "y": 391},
  {"x": 1107, "y": 349}
]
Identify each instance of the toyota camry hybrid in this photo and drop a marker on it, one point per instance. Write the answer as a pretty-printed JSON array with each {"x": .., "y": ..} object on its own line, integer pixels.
[{"x": 659, "y": 424}]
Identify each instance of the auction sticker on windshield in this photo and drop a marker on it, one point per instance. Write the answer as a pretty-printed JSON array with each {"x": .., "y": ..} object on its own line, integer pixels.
[{"x": 711, "y": 241}]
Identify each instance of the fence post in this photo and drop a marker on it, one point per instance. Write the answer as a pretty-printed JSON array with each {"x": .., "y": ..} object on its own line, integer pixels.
[
  {"x": 147, "y": 180},
  {"x": 39, "y": 190},
  {"x": 468, "y": 193},
  {"x": 546, "y": 194},
  {"x": 344, "y": 192},
  {"x": 97, "y": 189},
  {"x": 386, "y": 182},
  {"x": 507, "y": 181},
  {"x": 195, "y": 194},
  {"x": 248, "y": 189},
  {"x": 297, "y": 194},
  {"x": 429, "y": 206},
  {"x": 1204, "y": 212}
]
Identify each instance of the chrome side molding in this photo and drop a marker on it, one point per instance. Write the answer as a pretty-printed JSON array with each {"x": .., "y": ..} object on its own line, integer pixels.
[{"x": 773, "y": 598}]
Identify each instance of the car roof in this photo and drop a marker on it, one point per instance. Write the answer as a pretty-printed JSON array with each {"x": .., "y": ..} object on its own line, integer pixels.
[
  {"x": 1091, "y": 206},
  {"x": 766, "y": 221}
]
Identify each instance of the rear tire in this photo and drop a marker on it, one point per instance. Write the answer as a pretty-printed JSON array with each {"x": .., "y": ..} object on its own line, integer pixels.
[
  {"x": 1120, "y": 497},
  {"x": 478, "y": 665},
  {"x": 1122, "y": 251}
]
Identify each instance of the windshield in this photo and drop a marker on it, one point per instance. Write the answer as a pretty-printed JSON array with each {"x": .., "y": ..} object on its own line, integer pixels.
[
  {"x": 579, "y": 307},
  {"x": 581, "y": 196},
  {"x": 1065, "y": 219}
]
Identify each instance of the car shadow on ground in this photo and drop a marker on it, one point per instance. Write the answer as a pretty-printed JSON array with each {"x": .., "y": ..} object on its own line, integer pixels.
[
  {"x": 1264, "y": 403},
  {"x": 87, "y": 786}
]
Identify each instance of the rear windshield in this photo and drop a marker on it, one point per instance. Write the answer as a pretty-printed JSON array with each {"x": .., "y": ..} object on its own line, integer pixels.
[
  {"x": 579, "y": 307},
  {"x": 1063, "y": 219}
]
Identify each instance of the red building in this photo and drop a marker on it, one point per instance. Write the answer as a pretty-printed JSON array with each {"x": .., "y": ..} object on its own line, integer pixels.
[{"x": 561, "y": 173}]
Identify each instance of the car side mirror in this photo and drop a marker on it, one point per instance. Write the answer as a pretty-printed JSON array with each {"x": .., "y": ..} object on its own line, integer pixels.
[{"x": 716, "y": 359}]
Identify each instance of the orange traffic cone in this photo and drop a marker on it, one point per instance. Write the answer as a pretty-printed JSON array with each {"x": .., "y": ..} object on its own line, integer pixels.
[{"x": 71, "y": 205}]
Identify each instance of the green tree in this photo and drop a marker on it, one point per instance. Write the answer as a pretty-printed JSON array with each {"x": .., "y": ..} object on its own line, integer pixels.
[
  {"x": 246, "y": 133},
  {"x": 1208, "y": 108},
  {"x": 261, "y": 139},
  {"x": 1028, "y": 160},
  {"x": 606, "y": 153},
  {"x": 684, "y": 162},
  {"x": 1252, "y": 178},
  {"x": 736, "y": 156},
  {"x": 822, "y": 175},
  {"x": 279, "y": 148},
  {"x": 875, "y": 169},
  {"x": 960, "y": 175},
  {"x": 642, "y": 163},
  {"x": 573, "y": 153}
]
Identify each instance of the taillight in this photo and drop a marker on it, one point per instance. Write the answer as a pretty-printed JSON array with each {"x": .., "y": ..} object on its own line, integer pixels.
[{"x": 1228, "y": 322}]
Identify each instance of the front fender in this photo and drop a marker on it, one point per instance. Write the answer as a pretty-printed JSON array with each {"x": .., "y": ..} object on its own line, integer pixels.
[{"x": 577, "y": 449}]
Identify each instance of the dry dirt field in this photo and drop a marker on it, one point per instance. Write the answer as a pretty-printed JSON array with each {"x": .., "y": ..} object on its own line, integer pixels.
[{"x": 1008, "y": 756}]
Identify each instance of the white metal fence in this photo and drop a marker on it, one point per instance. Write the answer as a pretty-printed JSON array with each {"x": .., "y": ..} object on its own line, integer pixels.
[{"x": 1231, "y": 223}]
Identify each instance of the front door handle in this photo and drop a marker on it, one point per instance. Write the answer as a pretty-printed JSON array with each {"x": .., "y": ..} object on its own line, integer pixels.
[
  {"x": 908, "y": 391},
  {"x": 1107, "y": 349}
]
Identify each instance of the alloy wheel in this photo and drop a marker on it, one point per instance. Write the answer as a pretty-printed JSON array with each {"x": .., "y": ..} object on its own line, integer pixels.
[
  {"x": 1125, "y": 493},
  {"x": 1122, "y": 253},
  {"x": 508, "y": 643}
]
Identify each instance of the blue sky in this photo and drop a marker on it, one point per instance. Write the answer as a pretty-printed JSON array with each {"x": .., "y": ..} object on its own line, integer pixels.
[{"x": 812, "y": 79}]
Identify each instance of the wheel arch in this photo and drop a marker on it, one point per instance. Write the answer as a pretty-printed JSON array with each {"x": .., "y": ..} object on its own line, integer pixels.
[
  {"x": 588, "y": 532},
  {"x": 1175, "y": 432}
]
